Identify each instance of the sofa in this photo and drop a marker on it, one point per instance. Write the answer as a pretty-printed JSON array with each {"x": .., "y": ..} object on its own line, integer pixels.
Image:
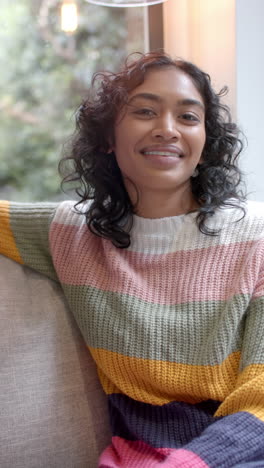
[{"x": 53, "y": 411}]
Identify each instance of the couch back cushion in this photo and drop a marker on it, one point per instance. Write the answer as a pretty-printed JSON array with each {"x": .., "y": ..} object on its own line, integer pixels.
[{"x": 53, "y": 412}]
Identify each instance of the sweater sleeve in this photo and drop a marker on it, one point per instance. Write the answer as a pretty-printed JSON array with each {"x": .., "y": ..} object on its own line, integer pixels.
[
  {"x": 236, "y": 439},
  {"x": 24, "y": 234}
]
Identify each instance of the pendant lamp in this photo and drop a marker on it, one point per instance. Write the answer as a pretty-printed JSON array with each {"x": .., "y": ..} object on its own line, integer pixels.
[{"x": 125, "y": 3}]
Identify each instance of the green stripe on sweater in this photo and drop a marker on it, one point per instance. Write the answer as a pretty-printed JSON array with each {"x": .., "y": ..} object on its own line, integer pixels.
[
  {"x": 30, "y": 225},
  {"x": 201, "y": 333}
]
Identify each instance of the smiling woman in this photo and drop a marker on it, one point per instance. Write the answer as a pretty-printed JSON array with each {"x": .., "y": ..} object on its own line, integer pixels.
[
  {"x": 162, "y": 264},
  {"x": 158, "y": 142},
  {"x": 154, "y": 100}
]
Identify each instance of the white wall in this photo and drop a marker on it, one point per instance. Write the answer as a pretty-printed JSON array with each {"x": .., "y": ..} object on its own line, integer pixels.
[
  {"x": 250, "y": 89},
  {"x": 203, "y": 31},
  {"x": 226, "y": 39}
]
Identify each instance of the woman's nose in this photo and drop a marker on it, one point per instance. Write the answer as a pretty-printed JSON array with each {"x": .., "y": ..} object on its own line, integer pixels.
[{"x": 166, "y": 128}]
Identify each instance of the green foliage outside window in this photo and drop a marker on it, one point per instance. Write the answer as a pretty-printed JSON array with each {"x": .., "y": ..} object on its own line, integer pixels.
[{"x": 45, "y": 73}]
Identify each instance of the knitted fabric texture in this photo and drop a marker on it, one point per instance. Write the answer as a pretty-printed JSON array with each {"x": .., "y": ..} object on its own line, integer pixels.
[{"x": 175, "y": 324}]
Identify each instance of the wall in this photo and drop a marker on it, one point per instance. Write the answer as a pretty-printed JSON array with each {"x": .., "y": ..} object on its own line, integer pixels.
[
  {"x": 225, "y": 38},
  {"x": 250, "y": 92},
  {"x": 203, "y": 31}
]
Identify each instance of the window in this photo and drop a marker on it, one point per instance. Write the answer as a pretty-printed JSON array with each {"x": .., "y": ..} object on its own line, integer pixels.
[{"x": 45, "y": 72}]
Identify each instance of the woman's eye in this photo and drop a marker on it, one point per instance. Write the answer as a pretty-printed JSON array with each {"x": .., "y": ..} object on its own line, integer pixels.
[
  {"x": 190, "y": 117},
  {"x": 145, "y": 112}
]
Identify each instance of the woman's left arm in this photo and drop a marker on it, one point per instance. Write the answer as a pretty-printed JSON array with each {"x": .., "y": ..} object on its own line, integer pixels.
[{"x": 237, "y": 438}]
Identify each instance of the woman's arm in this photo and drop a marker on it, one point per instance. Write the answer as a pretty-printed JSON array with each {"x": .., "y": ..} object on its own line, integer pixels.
[
  {"x": 24, "y": 234},
  {"x": 237, "y": 438}
]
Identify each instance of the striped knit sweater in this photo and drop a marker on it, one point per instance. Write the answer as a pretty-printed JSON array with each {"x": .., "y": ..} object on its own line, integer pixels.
[{"x": 175, "y": 324}]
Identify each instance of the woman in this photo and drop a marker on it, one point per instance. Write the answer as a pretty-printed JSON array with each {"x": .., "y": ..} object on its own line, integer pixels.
[{"x": 162, "y": 266}]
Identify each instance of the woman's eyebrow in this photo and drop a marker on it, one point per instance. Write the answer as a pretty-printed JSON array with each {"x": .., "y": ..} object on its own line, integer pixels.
[
  {"x": 149, "y": 96},
  {"x": 191, "y": 102},
  {"x": 156, "y": 98}
]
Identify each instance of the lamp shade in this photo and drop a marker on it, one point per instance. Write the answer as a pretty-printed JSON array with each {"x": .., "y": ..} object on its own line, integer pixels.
[{"x": 125, "y": 3}]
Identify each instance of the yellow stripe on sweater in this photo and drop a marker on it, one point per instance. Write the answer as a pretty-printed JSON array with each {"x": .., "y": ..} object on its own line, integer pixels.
[
  {"x": 160, "y": 382},
  {"x": 248, "y": 394},
  {"x": 7, "y": 240}
]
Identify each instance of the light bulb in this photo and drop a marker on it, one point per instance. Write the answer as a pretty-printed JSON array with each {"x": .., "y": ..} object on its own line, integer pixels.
[{"x": 69, "y": 16}]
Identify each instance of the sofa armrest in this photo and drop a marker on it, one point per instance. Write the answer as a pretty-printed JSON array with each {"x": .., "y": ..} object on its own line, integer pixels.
[{"x": 53, "y": 411}]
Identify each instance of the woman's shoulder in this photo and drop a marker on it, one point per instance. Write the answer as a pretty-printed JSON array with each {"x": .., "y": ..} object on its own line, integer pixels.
[
  {"x": 235, "y": 210},
  {"x": 245, "y": 220},
  {"x": 70, "y": 212}
]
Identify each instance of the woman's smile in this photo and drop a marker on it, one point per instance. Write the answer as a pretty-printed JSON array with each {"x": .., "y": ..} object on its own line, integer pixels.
[{"x": 163, "y": 157}]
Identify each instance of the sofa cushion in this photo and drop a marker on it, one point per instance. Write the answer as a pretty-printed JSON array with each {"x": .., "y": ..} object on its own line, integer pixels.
[{"x": 53, "y": 411}]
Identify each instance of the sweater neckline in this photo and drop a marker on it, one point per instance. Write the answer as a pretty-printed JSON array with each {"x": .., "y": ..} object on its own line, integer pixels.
[{"x": 161, "y": 226}]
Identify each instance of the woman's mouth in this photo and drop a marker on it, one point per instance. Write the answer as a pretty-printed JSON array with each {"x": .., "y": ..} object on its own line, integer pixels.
[
  {"x": 162, "y": 158},
  {"x": 162, "y": 153}
]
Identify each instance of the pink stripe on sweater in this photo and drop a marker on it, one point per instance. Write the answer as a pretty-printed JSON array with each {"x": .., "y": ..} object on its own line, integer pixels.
[
  {"x": 130, "y": 454},
  {"x": 215, "y": 273}
]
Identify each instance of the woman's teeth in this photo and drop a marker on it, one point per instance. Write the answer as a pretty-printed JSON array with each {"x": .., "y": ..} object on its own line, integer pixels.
[{"x": 163, "y": 153}]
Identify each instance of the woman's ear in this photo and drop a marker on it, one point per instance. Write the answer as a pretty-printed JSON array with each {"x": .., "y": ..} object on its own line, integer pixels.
[
  {"x": 110, "y": 144},
  {"x": 201, "y": 160},
  {"x": 195, "y": 172}
]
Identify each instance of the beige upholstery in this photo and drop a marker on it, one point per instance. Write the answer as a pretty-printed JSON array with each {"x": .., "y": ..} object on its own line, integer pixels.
[{"x": 53, "y": 413}]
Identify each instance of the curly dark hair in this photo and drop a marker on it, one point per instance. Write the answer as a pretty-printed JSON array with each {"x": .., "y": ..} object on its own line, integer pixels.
[{"x": 109, "y": 215}]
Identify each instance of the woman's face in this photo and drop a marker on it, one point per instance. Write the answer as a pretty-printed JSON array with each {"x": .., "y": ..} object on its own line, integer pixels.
[{"x": 160, "y": 134}]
